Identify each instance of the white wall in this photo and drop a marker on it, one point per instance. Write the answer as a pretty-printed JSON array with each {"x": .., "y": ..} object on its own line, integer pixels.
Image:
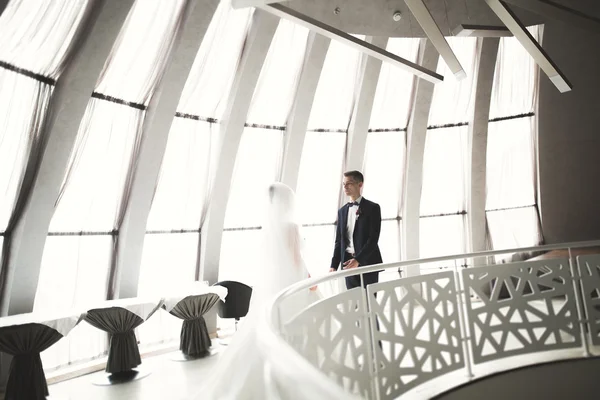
[{"x": 569, "y": 138}]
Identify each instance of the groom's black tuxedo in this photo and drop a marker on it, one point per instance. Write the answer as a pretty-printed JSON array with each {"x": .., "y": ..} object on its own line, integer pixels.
[{"x": 365, "y": 238}]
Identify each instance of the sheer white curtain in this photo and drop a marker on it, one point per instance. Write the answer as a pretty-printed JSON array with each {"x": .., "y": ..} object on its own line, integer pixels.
[
  {"x": 278, "y": 79},
  {"x": 99, "y": 172},
  {"x": 318, "y": 192},
  {"x": 36, "y": 34},
  {"x": 393, "y": 96},
  {"x": 443, "y": 193},
  {"x": 183, "y": 188},
  {"x": 444, "y": 169},
  {"x": 443, "y": 197},
  {"x": 207, "y": 87},
  {"x": 35, "y": 38},
  {"x": 74, "y": 279},
  {"x": 182, "y": 194},
  {"x": 515, "y": 79},
  {"x": 384, "y": 170},
  {"x": 334, "y": 98},
  {"x": 513, "y": 228},
  {"x": 452, "y": 98},
  {"x": 138, "y": 58},
  {"x": 441, "y": 236},
  {"x": 510, "y": 164},
  {"x": 320, "y": 173},
  {"x": 89, "y": 202},
  {"x": 320, "y": 177},
  {"x": 258, "y": 163},
  {"x": 511, "y": 184},
  {"x": 178, "y": 208},
  {"x": 511, "y": 200},
  {"x": 384, "y": 173},
  {"x": 247, "y": 201},
  {"x": 386, "y": 146},
  {"x": 23, "y": 104}
]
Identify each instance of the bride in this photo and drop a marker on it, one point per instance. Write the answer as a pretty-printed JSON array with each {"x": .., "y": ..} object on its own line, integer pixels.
[{"x": 239, "y": 373}]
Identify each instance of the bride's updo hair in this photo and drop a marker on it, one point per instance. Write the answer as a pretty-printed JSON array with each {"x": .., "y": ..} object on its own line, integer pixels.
[
  {"x": 281, "y": 199},
  {"x": 271, "y": 193}
]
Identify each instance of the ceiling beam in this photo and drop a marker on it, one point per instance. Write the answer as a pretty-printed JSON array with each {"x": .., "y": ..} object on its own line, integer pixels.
[
  {"x": 508, "y": 17},
  {"x": 560, "y": 13},
  {"x": 465, "y": 30},
  {"x": 435, "y": 35},
  {"x": 235, "y": 4},
  {"x": 360, "y": 45}
]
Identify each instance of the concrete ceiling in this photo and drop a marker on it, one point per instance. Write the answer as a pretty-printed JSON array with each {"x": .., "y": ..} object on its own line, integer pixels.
[{"x": 374, "y": 17}]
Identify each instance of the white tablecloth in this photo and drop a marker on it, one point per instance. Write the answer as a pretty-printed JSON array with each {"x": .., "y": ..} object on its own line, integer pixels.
[
  {"x": 171, "y": 301},
  {"x": 63, "y": 323},
  {"x": 142, "y": 307}
]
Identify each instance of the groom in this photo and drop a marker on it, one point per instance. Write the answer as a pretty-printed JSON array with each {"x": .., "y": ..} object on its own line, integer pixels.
[{"x": 357, "y": 232}]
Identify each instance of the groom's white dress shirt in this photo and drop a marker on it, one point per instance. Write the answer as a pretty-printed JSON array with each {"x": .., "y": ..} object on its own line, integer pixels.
[{"x": 350, "y": 227}]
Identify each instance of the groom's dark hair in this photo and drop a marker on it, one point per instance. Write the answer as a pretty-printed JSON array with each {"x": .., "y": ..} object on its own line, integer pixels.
[{"x": 357, "y": 176}]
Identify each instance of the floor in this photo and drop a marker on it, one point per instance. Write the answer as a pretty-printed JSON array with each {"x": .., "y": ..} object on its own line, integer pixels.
[{"x": 168, "y": 379}]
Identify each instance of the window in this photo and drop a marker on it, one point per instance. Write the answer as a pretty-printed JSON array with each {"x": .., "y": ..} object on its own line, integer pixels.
[
  {"x": 259, "y": 157},
  {"x": 84, "y": 228},
  {"x": 443, "y": 197},
  {"x": 35, "y": 40},
  {"x": 442, "y": 230},
  {"x": 511, "y": 200}
]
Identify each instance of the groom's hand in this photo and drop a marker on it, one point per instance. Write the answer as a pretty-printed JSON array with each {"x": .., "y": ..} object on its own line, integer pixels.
[
  {"x": 332, "y": 269},
  {"x": 352, "y": 263}
]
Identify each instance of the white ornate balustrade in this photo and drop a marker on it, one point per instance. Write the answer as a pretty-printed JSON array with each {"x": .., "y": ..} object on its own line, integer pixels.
[{"x": 421, "y": 336}]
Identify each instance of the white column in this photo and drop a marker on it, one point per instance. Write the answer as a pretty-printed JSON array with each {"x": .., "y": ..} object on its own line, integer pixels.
[
  {"x": 487, "y": 49},
  {"x": 316, "y": 50},
  {"x": 363, "y": 106},
  {"x": 157, "y": 124},
  {"x": 415, "y": 149},
  {"x": 255, "y": 51},
  {"x": 69, "y": 101}
]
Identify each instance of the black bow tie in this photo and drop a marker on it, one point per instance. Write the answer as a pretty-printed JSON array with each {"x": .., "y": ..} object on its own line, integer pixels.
[{"x": 353, "y": 203}]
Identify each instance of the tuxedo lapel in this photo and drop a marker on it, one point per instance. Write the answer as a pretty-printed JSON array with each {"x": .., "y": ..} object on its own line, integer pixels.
[
  {"x": 362, "y": 209},
  {"x": 344, "y": 223}
]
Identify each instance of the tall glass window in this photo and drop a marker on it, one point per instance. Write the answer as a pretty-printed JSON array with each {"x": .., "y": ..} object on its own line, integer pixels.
[
  {"x": 79, "y": 251},
  {"x": 443, "y": 197},
  {"x": 511, "y": 181},
  {"x": 320, "y": 173},
  {"x": 385, "y": 154}
]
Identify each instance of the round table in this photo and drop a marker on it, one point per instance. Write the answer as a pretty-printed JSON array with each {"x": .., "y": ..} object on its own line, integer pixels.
[
  {"x": 24, "y": 337},
  {"x": 119, "y": 318},
  {"x": 194, "y": 339}
]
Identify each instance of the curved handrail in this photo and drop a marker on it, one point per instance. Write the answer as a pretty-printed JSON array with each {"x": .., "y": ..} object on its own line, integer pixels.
[{"x": 307, "y": 283}]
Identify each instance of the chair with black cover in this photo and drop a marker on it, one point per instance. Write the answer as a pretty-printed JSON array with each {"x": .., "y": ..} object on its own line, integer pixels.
[{"x": 237, "y": 302}]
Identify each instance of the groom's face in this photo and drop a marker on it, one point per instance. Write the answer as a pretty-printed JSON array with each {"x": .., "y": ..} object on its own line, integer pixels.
[{"x": 351, "y": 187}]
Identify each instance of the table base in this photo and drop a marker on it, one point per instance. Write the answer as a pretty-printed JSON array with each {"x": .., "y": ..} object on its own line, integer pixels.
[
  {"x": 106, "y": 379},
  {"x": 179, "y": 356}
]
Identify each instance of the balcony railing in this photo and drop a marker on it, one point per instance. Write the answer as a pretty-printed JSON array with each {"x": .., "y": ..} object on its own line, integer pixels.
[{"x": 420, "y": 336}]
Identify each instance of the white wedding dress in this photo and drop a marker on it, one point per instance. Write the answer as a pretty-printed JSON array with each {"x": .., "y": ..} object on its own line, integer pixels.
[{"x": 239, "y": 373}]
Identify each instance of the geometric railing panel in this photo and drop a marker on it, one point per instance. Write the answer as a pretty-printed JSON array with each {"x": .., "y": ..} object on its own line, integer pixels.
[
  {"x": 589, "y": 265},
  {"x": 333, "y": 334},
  {"x": 417, "y": 330},
  {"x": 521, "y": 308}
]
